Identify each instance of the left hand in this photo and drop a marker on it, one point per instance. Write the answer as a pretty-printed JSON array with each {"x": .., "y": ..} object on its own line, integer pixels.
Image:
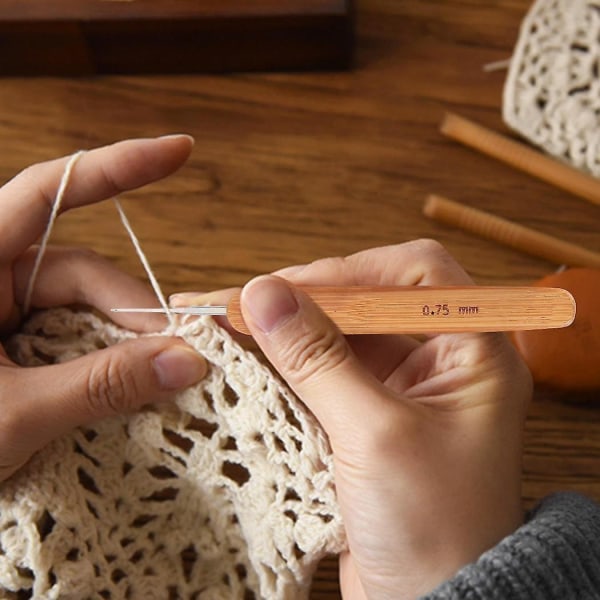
[{"x": 39, "y": 404}]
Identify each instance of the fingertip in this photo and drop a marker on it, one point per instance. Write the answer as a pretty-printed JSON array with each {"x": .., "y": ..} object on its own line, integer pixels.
[
  {"x": 141, "y": 161},
  {"x": 268, "y": 302},
  {"x": 179, "y": 366},
  {"x": 214, "y": 298},
  {"x": 176, "y": 146},
  {"x": 182, "y": 299},
  {"x": 174, "y": 136},
  {"x": 309, "y": 352},
  {"x": 185, "y": 138}
]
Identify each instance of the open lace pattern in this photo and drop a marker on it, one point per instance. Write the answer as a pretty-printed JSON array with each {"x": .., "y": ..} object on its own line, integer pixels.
[
  {"x": 552, "y": 92},
  {"x": 227, "y": 493}
]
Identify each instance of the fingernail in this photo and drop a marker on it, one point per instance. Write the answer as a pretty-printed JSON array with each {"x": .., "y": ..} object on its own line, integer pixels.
[
  {"x": 269, "y": 301},
  {"x": 215, "y": 298},
  {"x": 186, "y": 298},
  {"x": 178, "y": 367},
  {"x": 171, "y": 136}
]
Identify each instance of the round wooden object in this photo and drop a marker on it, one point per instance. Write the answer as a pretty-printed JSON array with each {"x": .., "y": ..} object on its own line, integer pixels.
[{"x": 568, "y": 358}]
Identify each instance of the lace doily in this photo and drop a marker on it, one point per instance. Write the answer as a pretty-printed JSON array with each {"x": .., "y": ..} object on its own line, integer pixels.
[
  {"x": 552, "y": 92},
  {"x": 225, "y": 494}
]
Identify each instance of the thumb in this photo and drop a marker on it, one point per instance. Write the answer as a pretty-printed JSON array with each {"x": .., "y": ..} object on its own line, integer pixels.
[
  {"x": 120, "y": 379},
  {"x": 312, "y": 355}
]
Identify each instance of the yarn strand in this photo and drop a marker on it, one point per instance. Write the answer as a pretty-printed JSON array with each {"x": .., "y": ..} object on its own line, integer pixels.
[
  {"x": 64, "y": 183},
  {"x": 62, "y": 188},
  {"x": 138, "y": 248}
]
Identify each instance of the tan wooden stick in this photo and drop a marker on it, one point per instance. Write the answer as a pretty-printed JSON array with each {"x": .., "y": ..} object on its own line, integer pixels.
[
  {"x": 511, "y": 234},
  {"x": 421, "y": 309},
  {"x": 521, "y": 157}
]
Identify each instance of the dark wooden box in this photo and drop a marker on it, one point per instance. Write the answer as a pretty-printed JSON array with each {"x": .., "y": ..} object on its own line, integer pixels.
[{"x": 82, "y": 37}]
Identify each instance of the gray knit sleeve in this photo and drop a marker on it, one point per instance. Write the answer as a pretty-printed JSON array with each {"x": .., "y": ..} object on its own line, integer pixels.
[{"x": 555, "y": 555}]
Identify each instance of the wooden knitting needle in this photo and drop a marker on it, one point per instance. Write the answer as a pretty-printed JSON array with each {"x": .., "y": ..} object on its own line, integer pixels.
[
  {"x": 420, "y": 309},
  {"x": 521, "y": 157},
  {"x": 511, "y": 234}
]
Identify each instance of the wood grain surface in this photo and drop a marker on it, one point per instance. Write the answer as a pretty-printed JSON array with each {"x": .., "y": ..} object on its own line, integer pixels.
[{"x": 288, "y": 168}]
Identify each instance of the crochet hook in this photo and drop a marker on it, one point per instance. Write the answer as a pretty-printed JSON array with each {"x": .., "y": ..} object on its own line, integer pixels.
[{"x": 421, "y": 309}]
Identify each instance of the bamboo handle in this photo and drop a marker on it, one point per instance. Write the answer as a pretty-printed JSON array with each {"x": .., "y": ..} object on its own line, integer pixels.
[
  {"x": 420, "y": 309},
  {"x": 511, "y": 234},
  {"x": 521, "y": 157}
]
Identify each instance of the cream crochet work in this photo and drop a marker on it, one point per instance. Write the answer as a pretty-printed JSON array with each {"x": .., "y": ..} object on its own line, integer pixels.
[
  {"x": 226, "y": 494},
  {"x": 552, "y": 93}
]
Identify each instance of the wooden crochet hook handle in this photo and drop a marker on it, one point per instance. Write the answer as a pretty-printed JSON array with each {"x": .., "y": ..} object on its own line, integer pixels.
[
  {"x": 521, "y": 157},
  {"x": 420, "y": 309},
  {"x": 511, "y": 234}
]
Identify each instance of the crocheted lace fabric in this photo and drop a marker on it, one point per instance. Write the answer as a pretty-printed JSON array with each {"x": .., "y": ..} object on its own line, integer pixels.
[
  {"x": 552, "y": 92},
  {"x": 226, "y": 493}
]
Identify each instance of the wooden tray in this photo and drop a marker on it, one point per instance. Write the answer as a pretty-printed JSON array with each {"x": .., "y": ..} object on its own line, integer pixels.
[{"x": 79, "y": 37}]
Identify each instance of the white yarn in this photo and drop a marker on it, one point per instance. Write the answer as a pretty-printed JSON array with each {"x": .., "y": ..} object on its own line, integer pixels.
[
  {"x": 227, "y": 493},
  {"x": 552, "y": 92},
  {"x": 64, "y": 182},
  {"x": 144, "y": 261}
]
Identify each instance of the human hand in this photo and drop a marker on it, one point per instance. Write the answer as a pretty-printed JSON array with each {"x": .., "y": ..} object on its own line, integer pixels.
[
  {"x": 426, "y": 435},
  {"x": 39, "y": 404}
]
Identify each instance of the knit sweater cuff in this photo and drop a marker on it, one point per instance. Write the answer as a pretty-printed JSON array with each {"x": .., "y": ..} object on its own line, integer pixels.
[{"x": 553, "y": 556}]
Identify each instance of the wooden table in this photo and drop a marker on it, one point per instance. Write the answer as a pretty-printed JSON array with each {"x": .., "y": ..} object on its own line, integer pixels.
[{"x": 288, "y": 168}]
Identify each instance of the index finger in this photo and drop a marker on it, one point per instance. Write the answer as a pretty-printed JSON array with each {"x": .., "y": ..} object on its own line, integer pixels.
[
  {"x": 26, "y": 200},
  {"x": 419, "y": 262}
]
